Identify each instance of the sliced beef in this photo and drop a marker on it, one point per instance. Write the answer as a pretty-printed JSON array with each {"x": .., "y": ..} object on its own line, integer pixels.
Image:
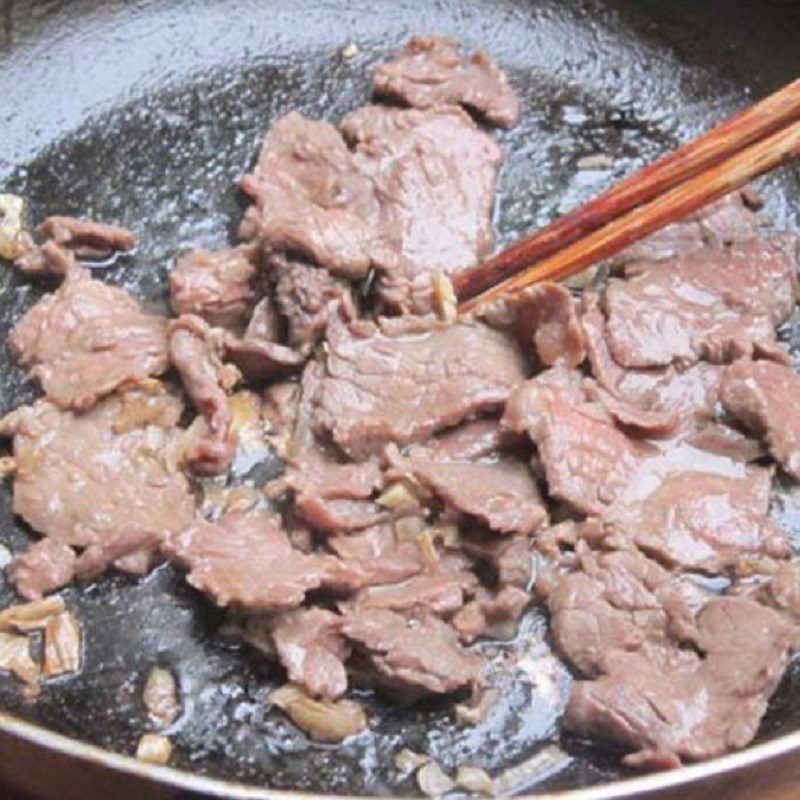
[
  {"x": 495, "y": 615},
  {"x": 48, "y": 259},
  {"x": 310, "y": 197},
  {"x": 695, "y": 519},
  {"x": 544, "y": 318},
  {"x": 588, "y": 461},
  {"x": 311, "y": 648},
  {"x": 106, "y": 479},
  {"x": 714, "y": 304},
  {"x": 429, "y": 72},
  {"x": 217, "y": 285},
  {"x": 476, "y": 439},
  {"x": 398, "y": 383},
  {"x": 247, "y": 561},
  {"x": 510, "y": 557},
  {"x": 306, "y": 297},
  {"x": 85, "y": 237},
  {"x": 46, "y": 566},
  {"x": 418, "y": 655},
  {"x": 265, "y": 322},
  {"x": 672, "y": 676},
  {"x": 86, "y": 339},
  {"x": 261, "y": 360},
  {"x": 435, "y": 175},
  {"x": 194, "y": 352},
  {"x": 757, "y": 393}
]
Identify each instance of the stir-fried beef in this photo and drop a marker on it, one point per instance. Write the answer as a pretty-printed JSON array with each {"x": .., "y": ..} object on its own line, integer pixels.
[
  {"x": 412, "y": 654},
  {"x": 429, "y": 72},
  {"x": 85, "y": 237},
  {"x": 510, "y": 557},
  {"x": 310, "y": 646},
  {"x": 86, "y": 339},
  {"x": 542, "y": 317},
  {"x": 491, "y": 614},
  {"x": 757, "y": 393},
  {"x": 217, "y": 285},
  {"x": 260, "y": 360},
  {"x": 194, "y": 352},
  {"x": 676, "y": 676},
  {"x": 104, "y": 479},
  {"x": 710, "y": 303},
  {"x": 434, "y": 174},
  {"x": 46, "y": 566},
  {"x": 247, "y": 561},
  {"x": 311, "y": 198},
  {"x": 397, "y": 383}
]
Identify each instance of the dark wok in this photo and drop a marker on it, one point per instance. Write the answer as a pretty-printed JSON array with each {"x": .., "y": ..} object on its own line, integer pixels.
[{"x": 144, "y": 113}]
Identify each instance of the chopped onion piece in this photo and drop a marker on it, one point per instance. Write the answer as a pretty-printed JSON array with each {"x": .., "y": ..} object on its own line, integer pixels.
[
  {"x": 63, "y": 644},
  {"x": 407, "y": 761},
  {"x": 445, "y": 297},
  {"x": 433, "y": 780},
  {"x": 12, "y": 211},
  {"x": 15, "y": 657},
  {"x": 161, "y": 697},
  {"x": 475, "y": 780},
  {"x": 322, "y": 720},
  {"x": 31, "y": 616},
  {"x": 154, "y": 749}
]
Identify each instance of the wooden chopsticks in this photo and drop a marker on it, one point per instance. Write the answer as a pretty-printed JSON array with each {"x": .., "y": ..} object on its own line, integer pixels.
[{"x": 717, "y": 163}]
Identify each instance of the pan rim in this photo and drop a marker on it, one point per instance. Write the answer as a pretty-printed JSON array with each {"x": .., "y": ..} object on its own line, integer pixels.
[{"x": 635, "y": 787}]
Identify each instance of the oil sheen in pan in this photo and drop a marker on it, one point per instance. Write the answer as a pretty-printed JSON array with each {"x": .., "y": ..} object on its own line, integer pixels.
[{"x": 594, "y": 78}]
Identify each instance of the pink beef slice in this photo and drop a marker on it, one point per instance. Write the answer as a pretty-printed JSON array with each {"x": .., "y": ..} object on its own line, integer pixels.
[
  {"x": 217, "y": 285},
  {"x": 714, "y": 304},
  {"x": 247, "y": 561},
  {"x": 194, "y": 351},
  {"x": 311, "y": 198},
  {"x": 759, "y": 394},
  {"x": 412, "y": 654},
  {"x": 543, "y": 318},
  {"x": 311, "y": 648},
  {"x": 46, "y": 566},
  {"x": 399, "y": 382},
  {"x": 86, "y": 339},
  {"x": 588, "y": 461},
  {"x": 496, "y": 488},
  {"x": 85, "y": 237},
  {"x": 106, "y": 479},
  {"x": 435, "y": 176},
  {"x": 430, "y": 72},
  {"x": 667, "y": 673},
  {"x": 493, "y": 614}
]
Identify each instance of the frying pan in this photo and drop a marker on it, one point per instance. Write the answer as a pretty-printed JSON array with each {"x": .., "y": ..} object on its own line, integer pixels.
[{"x": 144, "y": 113}]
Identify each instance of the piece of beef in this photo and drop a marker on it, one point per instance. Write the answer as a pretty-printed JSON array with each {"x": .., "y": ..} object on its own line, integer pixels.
[
  {"x": 311, "y": 648},
  {"x": 311, "y": 198},
  {"x": 306, "y": 297},
  {"x": 247, "y": 561},
  {"x": 86, "y": 339},
  {"x": 217, "y": 285},
  {"x": 544, "y": 318},
  {"x": 265, "y": 322},
  {"x": 400, "y": 382},
  {"x": 757, "y": 393},
  {"x": 260, "y": 360},
  {"x": 411, "y": 654},
  {"x": 476, "y": 439},
  {"x": 194, "y": 351},
  {"x": 696, "y": 519},
  {"x": 588, "y": 461},
  {"x": 509, "y": 557},
  {"x": 105, "y": 479},
  {"x": 675, "y": 675},
  {"x": 435, "y": 175},
  {"x": 714, "y": 304},
  {"x": 46, "y": 566},
  {"x": 85, "y": 237},
  {"x": 45, "y": 260},
  {"x": 495, "y": 615},
  {"x": 429, "y": 72}
]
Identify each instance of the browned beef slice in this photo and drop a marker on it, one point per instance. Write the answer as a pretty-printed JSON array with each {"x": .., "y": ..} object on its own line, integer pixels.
[
  {"x": 246, "y": 560},
  {"x": 675, "y": 676},
  {"x": 429, "y": 72},
  {"x": 306, "y": 297},
  {"x": 543, "y": 317},
  {"x": 194, "y": 352},
  {"x": 265, "y": 322},
  {"x": 261, "y": 360},
  {"x": 373, "y": 557},
  {"x": 725, "y": 222},
  {"x": 704, "y": 516},
  {"x": 87, "y": 238},
  {"x": 490, "y": 614},
  {"x": 715, "y": 304},
  {"x": 46, "y": 566},
  {"x": 416, "y": 654},
  {"x": 105, "y": 479},
  {"x": 86, "y": 339},
  {"x": 759, "y": 394},
  {"x": 509, "y": 557},
  {"x": 310, "y": 646},
  {"x": 311, "y": 198},
  {"x": 217, "y": 285},
  {"x": 588, "y": 461},
  {"x": 476, "y": 439},
  {"x": 435, "y": 174},
  {"x": 402, "y": 382},
  {"x": 47, "y": 259}
]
